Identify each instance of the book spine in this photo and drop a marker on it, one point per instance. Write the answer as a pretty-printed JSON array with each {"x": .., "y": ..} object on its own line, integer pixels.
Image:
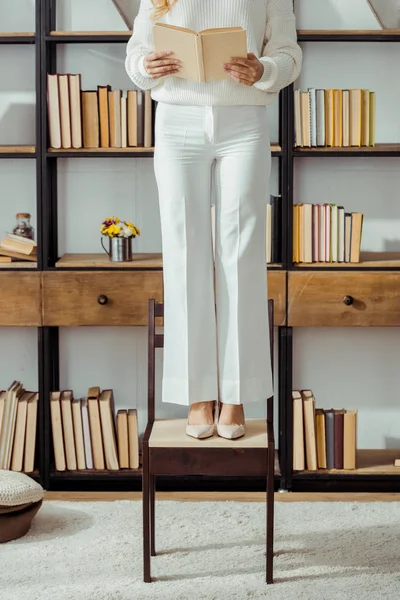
[{"x": 200, "y": 60}]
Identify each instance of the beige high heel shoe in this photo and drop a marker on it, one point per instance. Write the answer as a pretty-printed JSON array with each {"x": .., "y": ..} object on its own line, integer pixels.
[
  {"x": 203, "y": 431},
  {"x": 230, "y": 432}
]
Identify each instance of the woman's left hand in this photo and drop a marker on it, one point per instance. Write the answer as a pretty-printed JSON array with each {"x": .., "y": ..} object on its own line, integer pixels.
[{"x": 245, "y": 70}]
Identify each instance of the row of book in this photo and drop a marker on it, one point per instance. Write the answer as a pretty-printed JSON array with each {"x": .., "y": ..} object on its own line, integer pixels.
[
  {"x": 101, "y": 118},
  {"x": 18, "y": 425},
  {"x": 326, "y": 233},
  {"x": 334, "y": 118},
  {"x": 322, "y": 439},
  {"x": 17, "y": 248},
  {"x": 87, "y": 434}
]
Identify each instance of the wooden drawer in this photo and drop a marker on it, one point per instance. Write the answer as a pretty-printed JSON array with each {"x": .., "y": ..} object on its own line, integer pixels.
[
  {"x": 73, "y": 298},
  {"x": 20, "y": 299},
  {"x": 277, "y": 292},
  {"x": 344, "y": 299}
]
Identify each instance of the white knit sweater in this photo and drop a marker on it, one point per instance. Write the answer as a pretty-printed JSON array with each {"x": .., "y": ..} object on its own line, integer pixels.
[{"x": 271, "y": 36}]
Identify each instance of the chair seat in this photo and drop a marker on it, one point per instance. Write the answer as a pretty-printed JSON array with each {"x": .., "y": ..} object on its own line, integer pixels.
[{"x": 171, "y": 433}]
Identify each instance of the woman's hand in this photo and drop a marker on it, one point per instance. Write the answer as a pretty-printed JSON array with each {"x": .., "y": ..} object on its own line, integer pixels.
[
  {"x": 160, "y": 64},
  {"x": 245, "y": 70}
]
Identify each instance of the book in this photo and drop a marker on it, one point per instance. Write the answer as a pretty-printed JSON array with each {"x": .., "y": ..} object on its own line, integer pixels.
[
  {"x": 330, "y": 438},
  {"x": 132, "y": 110},
  {"x": 78, "y": 433},
  {"x": 18, "y": 255},
  {"x": 321, "y": 438},
  {"x": 298, "y": 432},
  {"x": 68, "y": 430},
  {"x": 350, "y": 439},
  {"x": 123, "y": 439},
  {"x": 104, "y": 117},
  {"x": 18, "y": 246},
  {"x": 95, "y": 428},
  {"x": 17, "y": 461},
  {"x": 204, "y": 53},
  {"x": 90, "y": 119},
  {"x": 8, "y": 424},
  {"x": 309, "y": 429},
  {"x": 107, "y": 417},
  {"x": 75, "y": 84},
  {"x": 31, "y": 428},
  {"x": 86, "y": 434},
  {"x": 338, "y": 421},
  {"x": 65, "y": 111},
  {"x": 114, "y": 99},
  {"x": 148, "y": 119},
  {"x": 57, "y": 431},
  {"x": 124, "y": 121},
  {"x": 133, "y": 436},
  {"x": 53, "y": 110}
]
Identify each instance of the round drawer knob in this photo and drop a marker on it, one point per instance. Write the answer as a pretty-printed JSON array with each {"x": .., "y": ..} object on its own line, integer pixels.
[
  {"x": 348, "y": 300},
  {"x": 102, "y": 300}
]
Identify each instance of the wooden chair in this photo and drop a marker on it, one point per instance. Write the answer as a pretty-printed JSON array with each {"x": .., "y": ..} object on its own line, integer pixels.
[{"x": 167, "y": 450}]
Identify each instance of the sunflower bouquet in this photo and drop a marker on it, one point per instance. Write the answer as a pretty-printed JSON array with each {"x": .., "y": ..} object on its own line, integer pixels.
[{"x": 114, "y": 227}]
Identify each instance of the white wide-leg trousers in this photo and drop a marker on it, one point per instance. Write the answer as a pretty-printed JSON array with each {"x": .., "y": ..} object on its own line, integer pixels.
[{"x": 214, "y": 345}]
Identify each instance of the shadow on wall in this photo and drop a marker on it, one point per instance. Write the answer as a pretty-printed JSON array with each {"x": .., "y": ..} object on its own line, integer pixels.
[
  {"x": 17, "y": 125},
  {"x": 22, "y": 19}
]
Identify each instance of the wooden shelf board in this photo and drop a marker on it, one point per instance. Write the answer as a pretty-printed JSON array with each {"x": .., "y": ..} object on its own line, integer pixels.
[
  {"x": 275, "y": 148},
  {"x": 95, "y": 261},
  {"x": 101, "y": 260},
  {"x": 369, "y": 462},
  {"x": 98, "y": 150},
  {"x": 17, "y": 34},
  {"x": 23, "y": 264},
  {"x": 348, "y": 150},
  {"x": 92, "y": 473},
  {"x": 88, "y": 33},
  {"x": 17, "y": 149},
  {"x": 368, "y": 260}
]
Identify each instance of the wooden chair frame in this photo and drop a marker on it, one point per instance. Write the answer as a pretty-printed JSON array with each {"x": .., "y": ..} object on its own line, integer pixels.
[{"x": 178, "y": 461}]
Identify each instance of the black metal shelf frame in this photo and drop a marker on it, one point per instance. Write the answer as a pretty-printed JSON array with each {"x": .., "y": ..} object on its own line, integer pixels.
[{"x": 47, "y": 227}]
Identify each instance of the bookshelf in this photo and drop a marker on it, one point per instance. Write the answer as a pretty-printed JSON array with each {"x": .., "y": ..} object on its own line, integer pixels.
[
  {"x": 68, "y": 288},
  {"x": 365, "y": 294}
]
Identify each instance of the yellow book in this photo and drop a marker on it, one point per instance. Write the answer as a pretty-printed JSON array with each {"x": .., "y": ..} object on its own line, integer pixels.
[
  {"x": 355, "y": 117},
  {"x": 337, "y": 118},
  {"x": 296, "y": 233},
  {"x": 365, "y": 118},
  {"x": 372, "y": 117}
]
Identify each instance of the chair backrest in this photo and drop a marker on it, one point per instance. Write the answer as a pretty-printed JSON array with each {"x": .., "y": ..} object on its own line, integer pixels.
[{"x": 156, "y": 340}]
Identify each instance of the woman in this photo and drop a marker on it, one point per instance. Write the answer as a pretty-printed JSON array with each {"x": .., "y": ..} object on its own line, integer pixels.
[{"x": 215, "y": 129}]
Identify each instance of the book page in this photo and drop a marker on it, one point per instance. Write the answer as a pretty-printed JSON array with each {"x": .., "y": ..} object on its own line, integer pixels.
[
  {"x": 218, "y": 48},
  {"x": 182, "y": 42}
]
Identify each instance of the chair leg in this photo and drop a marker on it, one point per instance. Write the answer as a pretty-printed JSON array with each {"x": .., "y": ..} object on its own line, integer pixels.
[
  {"x": 152, "y": 514},
  {"x": 270, "y": 514},
  {"x": 146, "y": 515}
]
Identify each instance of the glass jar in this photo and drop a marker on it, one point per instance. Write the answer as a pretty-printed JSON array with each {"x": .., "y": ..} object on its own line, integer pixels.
[{"x": 23, "y": 226}]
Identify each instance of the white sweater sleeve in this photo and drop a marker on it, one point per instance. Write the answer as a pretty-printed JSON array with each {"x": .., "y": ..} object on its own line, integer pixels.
[
  {"x": 282, "y": 56},
  {"x": 141, "y": 44}
]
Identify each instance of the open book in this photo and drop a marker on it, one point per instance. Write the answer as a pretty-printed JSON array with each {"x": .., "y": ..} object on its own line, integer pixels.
[{"x": 203, "y": 54}]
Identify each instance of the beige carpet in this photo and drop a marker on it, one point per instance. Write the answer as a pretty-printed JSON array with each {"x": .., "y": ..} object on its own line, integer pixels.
[{"x": 212, "y": 551}]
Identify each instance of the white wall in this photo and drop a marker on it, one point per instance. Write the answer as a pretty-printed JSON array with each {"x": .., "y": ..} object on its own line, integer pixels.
[{"x": 344, "y": 367}]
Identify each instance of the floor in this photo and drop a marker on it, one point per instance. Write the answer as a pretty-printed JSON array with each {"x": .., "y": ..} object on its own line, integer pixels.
[{"x": 222, "y": 497}]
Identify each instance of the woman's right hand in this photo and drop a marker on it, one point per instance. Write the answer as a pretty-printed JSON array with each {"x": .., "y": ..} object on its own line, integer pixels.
[{"x": 160, "y": 64}]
